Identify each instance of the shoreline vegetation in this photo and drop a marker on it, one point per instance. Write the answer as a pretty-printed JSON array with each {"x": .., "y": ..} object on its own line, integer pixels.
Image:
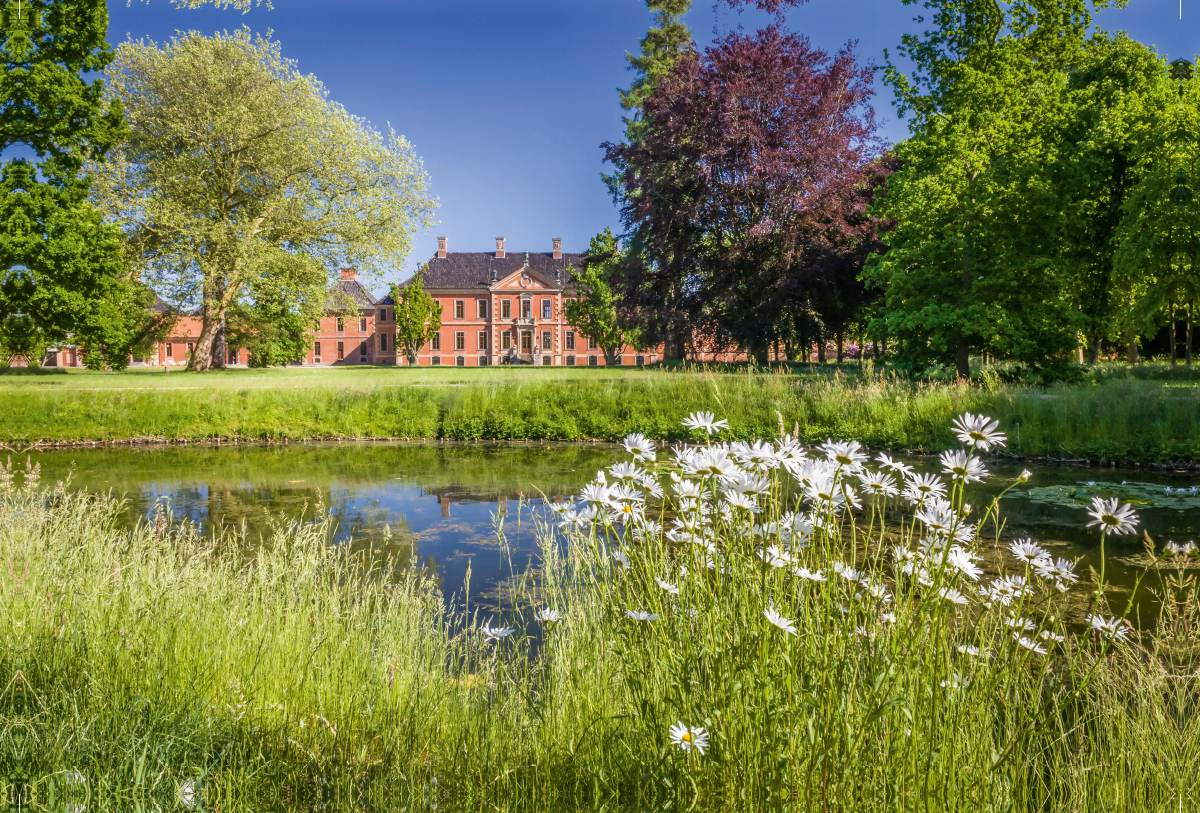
[
  {"x": 1108, "y": 420},
  {"x": 691, "y": 639}
]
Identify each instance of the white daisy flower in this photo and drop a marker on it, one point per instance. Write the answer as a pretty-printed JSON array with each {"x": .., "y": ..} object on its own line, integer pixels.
[
  {"x": 670, "y": 588},
  {"x": 952, "y": 595},
  {"x": 621, "y": 557},
  {"x": 1029, "y": 644},
  {"x": 1113, "y": 628},
  {"x": 596, "y": 494},
  {"x": 1020, "y": 623},
  {"x": 688, "y": 738},
  {"x": 849, "y": 454},
  {"x": 923, "y": 486},
  {"x": 640, "y": 447},
  {"x": 705, "y": 421},
  {"x": 775, "y": 556},
  {"x": 964, "y": 562},
  {"x": 1176, "y": 549},
  {"x": 895, "y": 465},
  {"x": 491, "y": 634},
  {"x": 810, "y": 575},
  {"x": 627, "y": 471},
  {"x": 1047, "y": 635},
  {"x": 968, "y": 649},
  {"x": 1028, "y": 551},
  {"x": 642, "y": 615},
  {"x": 778, "y": 620},
  {"x": 548, "y": 616},
  {"x": 961, "y": 466},
  {"x": 979, "y": 430},
  {"x": 879, "y": 484},
  {"x": 1112, "y": 518}
]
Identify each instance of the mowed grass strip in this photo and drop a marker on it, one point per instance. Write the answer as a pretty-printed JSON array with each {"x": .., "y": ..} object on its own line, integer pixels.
[{"x": 1123, "y": 420}]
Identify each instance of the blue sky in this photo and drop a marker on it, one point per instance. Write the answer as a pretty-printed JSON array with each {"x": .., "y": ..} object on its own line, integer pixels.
[{"x": 508, "y": 101}]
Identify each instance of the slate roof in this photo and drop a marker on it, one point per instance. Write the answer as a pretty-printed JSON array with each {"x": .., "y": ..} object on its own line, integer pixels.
[
  {"x": 355, "y": 290},
  {"x": 474, "y": 269}
]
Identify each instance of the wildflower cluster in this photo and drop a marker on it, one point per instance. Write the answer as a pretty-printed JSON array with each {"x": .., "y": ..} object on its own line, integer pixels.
[{"x": 695, "y": 535}]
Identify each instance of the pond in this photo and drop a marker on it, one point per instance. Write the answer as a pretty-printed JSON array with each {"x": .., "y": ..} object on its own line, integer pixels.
[{"x": 434, "y": 506}]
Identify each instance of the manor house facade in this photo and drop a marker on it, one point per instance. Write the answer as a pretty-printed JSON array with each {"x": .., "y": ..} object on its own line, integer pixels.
[{"x": 496, "y": 306}]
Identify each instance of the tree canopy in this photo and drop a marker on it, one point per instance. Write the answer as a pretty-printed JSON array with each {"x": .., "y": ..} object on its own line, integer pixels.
[
  {"x": 418, "y": 315},
  {"x": 62, "y": 278},
  {"x": 747, "y": 187},
  {"x": 235, "y": 159}
]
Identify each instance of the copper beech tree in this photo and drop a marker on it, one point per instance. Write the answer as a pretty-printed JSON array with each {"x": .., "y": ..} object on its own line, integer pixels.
[
  {"x": 235, "y": 162},
  {"x": 745, "y": 192}
]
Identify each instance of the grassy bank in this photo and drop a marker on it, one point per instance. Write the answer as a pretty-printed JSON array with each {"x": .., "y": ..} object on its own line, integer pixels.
[
  {"x": 155, "y": 666},
  {"x": 1125, "y": 420}
]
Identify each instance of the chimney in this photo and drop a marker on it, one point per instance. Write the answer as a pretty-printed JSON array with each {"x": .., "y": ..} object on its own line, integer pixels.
[
  {"x": 350, "y": 273},
  {"x": 499, "y": 248},
  {"x": 442, "y": 248},
  {"x": 557, "y": 241}
]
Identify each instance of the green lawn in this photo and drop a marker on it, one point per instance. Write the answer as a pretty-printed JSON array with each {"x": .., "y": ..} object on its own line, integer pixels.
[{"x": 1120, "y": 419}]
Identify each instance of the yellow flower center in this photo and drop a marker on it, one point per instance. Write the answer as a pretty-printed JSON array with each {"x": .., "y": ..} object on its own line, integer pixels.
[{"x": 687, "y": 737}]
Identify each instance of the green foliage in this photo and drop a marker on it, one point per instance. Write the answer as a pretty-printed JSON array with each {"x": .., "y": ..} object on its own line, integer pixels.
[
  {"x": 418, "y": 315},
  {"x": 594, "y": 310},
  {"x": 971, "y": 260},
  {"x": 235, "y": 157},
  {"x": 281, "y": 309},
  {"x": 20, "y": 339},
  {"x": 60, "y": 265}
]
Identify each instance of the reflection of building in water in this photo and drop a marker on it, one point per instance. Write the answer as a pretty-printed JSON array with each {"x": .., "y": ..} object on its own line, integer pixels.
[{"x": 445, "y": 506}]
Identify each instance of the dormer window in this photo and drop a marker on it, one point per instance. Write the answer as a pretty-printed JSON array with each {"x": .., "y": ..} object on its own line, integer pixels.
[{"x": 499, "y": 248}]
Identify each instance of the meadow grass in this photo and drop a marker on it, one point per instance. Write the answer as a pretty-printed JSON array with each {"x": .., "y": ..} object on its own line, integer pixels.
[
  {"x": 1122, "y": 419},
  {"x": 156, "y": 665}
]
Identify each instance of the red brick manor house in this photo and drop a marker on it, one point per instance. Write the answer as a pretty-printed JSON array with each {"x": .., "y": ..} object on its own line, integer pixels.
[{"x": 495, "y": 306}]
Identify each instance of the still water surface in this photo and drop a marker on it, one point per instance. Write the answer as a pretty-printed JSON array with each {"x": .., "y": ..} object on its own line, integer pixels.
[{"x": 435, "y": 505}]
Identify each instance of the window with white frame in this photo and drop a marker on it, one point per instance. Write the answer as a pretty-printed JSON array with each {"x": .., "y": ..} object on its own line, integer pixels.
[
  {"x": 483, "y": 340},
  {"x": 482, "y": 308},
  {"x": 547, "y": 308},
  {"x": 460, "y": 308},
  {"x": 460, "y": 340}
]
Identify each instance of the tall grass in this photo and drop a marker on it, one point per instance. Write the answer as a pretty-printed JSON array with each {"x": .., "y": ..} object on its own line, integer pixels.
[
  {"x": 155, "y": 665},
  {"x": 1124, "y": 420}
]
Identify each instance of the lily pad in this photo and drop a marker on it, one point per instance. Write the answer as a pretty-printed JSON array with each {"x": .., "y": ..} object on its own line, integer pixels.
[{"x": 1146, "y": 495}]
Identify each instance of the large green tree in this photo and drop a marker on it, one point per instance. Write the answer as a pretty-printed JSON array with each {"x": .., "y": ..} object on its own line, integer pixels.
[
  {"x": 972, "y": 260},
  {"x": 418, "y": 315},
  {"x": 234, "y": 158},
  {"x": 594, "y": 308},
  {"x": 1116, "y": 101},
  {"x": 61, "y": 270}
]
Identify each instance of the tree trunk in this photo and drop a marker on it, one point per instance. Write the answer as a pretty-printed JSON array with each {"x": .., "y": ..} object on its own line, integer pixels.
[
  {"x": 761, "y": 354},
  {"x": 1133, "y": 356},
  {"x": 220, "y": 354},
  {"x": 1172, "y": 332},
  {"x": 201, "y": 359},
  {"x": 805, "y": 350},
  {"x": 962, "y": 358},
  {"x": 840, "y": 347},
  {"x": 821, "y": 347},
  {"x": 1094, "y": 351}
]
